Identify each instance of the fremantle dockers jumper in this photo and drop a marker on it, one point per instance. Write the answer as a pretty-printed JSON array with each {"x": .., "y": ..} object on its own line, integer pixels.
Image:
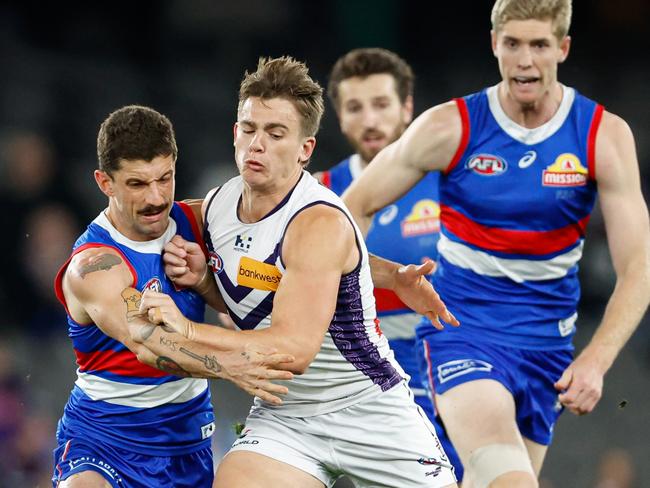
[
  {"x": 405, "y": 232},
  {"x": 354, "y": 361},
  {"x": 514, "y": 206},
  {"x": 116, "y": 399}
]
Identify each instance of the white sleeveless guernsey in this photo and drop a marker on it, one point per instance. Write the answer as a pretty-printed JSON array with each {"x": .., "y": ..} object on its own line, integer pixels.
[{"x": 354, "y": 362}]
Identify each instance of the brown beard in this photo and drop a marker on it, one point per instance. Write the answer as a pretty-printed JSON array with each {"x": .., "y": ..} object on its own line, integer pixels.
[{"x": 368, "y": 156}]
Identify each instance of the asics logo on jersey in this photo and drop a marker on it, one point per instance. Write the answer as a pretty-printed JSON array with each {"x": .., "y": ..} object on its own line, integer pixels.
[
  {"x": 458, "y": 367},
  {"x": 242, "y": 243},
  {"x": 388, "y": 215},
  {"x": 527, "y": 159},
  {"x": 487, "y": 164}
]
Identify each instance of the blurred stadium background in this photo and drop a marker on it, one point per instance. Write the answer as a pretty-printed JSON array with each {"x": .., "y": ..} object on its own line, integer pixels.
[{"x": 64, "y": 67}]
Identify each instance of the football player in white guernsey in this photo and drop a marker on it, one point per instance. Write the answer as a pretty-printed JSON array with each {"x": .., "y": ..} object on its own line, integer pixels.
[
  {"x": 529, "y": 40},
  {"x": 294, "y": 274}
]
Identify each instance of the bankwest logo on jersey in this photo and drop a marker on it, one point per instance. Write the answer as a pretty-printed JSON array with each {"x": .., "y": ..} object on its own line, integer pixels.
[
  {"x": 258, "y": 275},
  {"x": 565, "y": 171},
  {"x": 423, "y": 219},
  {"x": 487, "y": 164}
]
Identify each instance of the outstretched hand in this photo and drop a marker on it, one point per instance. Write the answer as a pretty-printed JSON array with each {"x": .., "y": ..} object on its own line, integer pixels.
[
  {"x": 413, "y": 288},
  {"x": 184, "y": 262}
]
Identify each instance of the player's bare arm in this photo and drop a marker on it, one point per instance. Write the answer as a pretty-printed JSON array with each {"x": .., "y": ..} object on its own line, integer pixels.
[
  {"x": 98, "y": 288},
  {"x": 428, "y": 144},
  {"x": 318, "y": 248},
  {"x": 92, "y": 287},
  {"x": 248, "y": 366},
  {"x": 412, "y": 287},
  {"x": 626, "y": 220}
]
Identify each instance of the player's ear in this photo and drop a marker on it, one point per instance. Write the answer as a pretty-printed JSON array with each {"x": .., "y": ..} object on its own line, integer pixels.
[
  {"x": 308, "y": 146},
  {"x": 564, "y": 47},
  {"x": 104, "y": 182},
  {"x": 493, "y": 42},
  {"x": 234, "y": 133},
  {"x": 407, "y": 110}
]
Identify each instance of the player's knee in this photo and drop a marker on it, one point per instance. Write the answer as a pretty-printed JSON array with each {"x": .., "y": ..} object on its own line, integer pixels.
[{"x": 501, "y": 465}]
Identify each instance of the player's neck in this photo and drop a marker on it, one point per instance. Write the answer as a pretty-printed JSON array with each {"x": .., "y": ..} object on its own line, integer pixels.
[
  {"x": 257, "y": 202},
  {"x": 535, "y": 114}
]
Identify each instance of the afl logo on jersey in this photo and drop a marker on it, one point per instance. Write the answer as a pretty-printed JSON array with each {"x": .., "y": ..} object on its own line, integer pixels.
[
  {"x": 487, "y": 164},
  {"x": 215, "y": 262},
  {"x": 153, "y": 284}
]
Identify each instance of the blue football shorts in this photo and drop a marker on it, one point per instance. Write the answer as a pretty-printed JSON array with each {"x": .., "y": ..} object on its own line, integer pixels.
[
  {"x": 126, "y": 469},
  {"x": 529, "y": 375}
]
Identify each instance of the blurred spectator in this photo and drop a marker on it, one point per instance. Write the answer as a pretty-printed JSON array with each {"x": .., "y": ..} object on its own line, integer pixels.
[
  {"x": 25, "y": 436},
  {"x": 31, "y": 179},
  {"x": 50, "y": 230},
  {"x": 616, "y": 469}
]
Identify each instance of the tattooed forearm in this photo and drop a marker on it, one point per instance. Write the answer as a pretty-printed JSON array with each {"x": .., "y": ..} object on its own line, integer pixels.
[
  {"x": 169, "y": 343},
  {"x": 98, "y": 263},
  {"x": 210, "y": 362},
  {"x": 170, "y": 366}
]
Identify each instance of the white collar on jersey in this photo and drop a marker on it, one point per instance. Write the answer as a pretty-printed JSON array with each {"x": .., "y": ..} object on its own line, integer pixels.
[
  {"x": 356, "y": 167},
  {"x": 154, "y": 246},
  {"x": 538, "y": 134}
]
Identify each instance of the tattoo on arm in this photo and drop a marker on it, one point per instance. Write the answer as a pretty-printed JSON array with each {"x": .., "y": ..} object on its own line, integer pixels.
[
  {"x": 170, "y": 366},
  {"x": 169, "y": 343},
  {"x": 132, "y": 298},
  {"x": 101, "y": 262},
  {"x": 210, "y": 362}
]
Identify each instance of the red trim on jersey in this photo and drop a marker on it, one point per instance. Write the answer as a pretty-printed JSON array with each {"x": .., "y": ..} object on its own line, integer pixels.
[
  {"x": 464, "y": 137},
  {"x": 432, "y": 387},
  {"x": 387, "y": 301},
  {"x": 511, "y": 241},
  {"x": 58, "y": 279},
  {"x": 195, "y": 226},
  {"x": 326, "y": 179},
  {"x": 591, "y": 141},
  {"x": 123, "y": 363}
]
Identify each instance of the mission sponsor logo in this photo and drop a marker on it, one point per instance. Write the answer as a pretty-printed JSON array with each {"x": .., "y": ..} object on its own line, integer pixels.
[
  {"x": 153, "y": 284},
  {"x": 215, "y": 262},
  {"x": 423, "y": 219},
  {"x": 458, "y": 367},
  {"x": 565, "y": 171},
  {"x": 487, "y": 164},
  {"x": 258, "y": 275}
]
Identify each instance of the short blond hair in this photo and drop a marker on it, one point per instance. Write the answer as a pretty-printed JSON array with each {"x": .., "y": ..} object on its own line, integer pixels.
[
  {"x": 284, "y": 77},
  {"x": 558, "y": 11}
]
